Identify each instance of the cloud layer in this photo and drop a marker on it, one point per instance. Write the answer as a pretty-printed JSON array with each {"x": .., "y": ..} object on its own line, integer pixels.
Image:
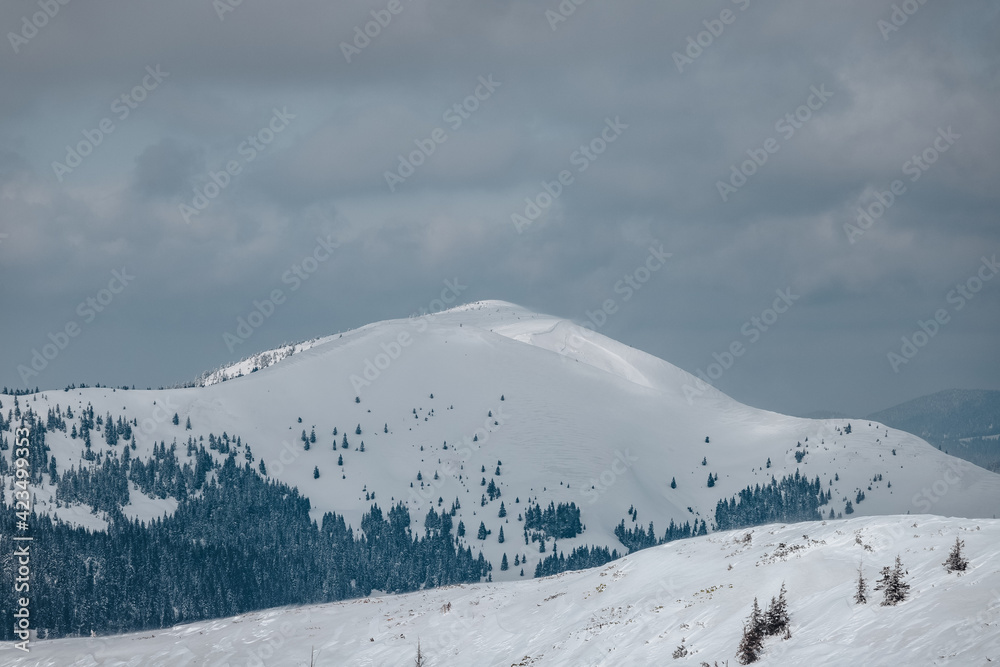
[{"x": 728, "y": 157}]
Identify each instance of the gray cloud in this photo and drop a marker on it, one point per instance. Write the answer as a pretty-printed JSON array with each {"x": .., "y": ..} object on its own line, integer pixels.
[{"x": 325, "y": 174}]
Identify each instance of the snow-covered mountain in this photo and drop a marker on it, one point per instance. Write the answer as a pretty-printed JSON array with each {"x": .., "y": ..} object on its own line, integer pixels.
[
  {"x": 635, "y": 611},
  {"x": 565, "y": 413}
]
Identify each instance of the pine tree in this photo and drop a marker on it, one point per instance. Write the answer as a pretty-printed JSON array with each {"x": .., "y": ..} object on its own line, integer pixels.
[
  {"x": 312, "y": 435},
  {"x": 711, "y": 480},
  {"x": 357, "y": 431},
  {"x": 673, "y": 482},
  {"x": 956, "y": 561},
  {"x": 176, "y": 420},
  {"x": 503, "y": 510},
  {"x": 187, "y": 426},
  {"x": 861, "y": 593},
  {"x": 752, "y": 642},
  {"x": 504, "y": 566},
  {"x": 704, "y": 461},
  {"x": 500, "y": 537},
  {"x": 482, "y": 531},
  {"x": 340, "y": 460},
  {"x": 776, "y": 617},
  {"x": 316, "y": 472},
  {"x": 894, "y": 589}
]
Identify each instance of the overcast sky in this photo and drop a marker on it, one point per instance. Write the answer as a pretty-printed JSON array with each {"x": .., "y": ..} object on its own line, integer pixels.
[{"x": 116, "y": 114}]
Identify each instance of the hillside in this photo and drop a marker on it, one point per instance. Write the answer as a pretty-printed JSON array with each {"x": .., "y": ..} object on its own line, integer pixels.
[
  {"x": 964, "y": 423},
  {"x": 487, "y": 398},
  {"x": 635, "y": 611}
]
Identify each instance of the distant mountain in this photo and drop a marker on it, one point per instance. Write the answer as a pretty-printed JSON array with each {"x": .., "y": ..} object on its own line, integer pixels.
[
  {"x": 962, "y": 422},
  {"x": 358, "y": 457},
  {"x": 826, "y": 414}
]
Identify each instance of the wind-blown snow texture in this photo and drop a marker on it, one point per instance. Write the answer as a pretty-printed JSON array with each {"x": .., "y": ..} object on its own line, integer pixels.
[
  {"x": 634, "y": 611},
  {"x": 583, "y": 419}
]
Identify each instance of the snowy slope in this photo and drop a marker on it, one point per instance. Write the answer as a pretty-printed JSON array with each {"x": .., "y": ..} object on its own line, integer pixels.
[
  {"x": 635, "y": 611},
  {"x": 584, "y": 419},
  {"x": 256, "y": 362}
]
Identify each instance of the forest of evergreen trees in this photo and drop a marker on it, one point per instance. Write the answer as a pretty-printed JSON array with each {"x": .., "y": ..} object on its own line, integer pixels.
[
  {"x": 562, "y": 522},
  {"x": 794, "y": 498},
  {"x": 639, "y": 538},
  {"x": 243, "y": 543},
  {"x": 580, "y": 559}
]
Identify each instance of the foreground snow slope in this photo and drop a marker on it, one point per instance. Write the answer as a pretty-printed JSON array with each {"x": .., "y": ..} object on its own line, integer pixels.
[
  {"x": 583, "y": 419},
  {"x": 635, "y": 611}
]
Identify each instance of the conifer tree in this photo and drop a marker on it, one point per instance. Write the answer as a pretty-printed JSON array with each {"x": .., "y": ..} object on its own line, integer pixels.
[
  {"x": 752, "y": 642},
  {"x": 187, "y": 426},
  {"x": 711, "y": 480},
  {"x": 956, "y": 561},
  {"x": 776, "y": 617},
  {"x": 503, "y": 564},
  {"x": 894, "y": 589},
  {"x": 673, "y": 482},
  {"x": 176, "y": 420},
  {"x": 500, "y": 537},
  {"x": 503, "y": 510},
  {"x": 316, "y": 472},
  {"x": 482, "y": 531},
  {"x": 861, "y": 593}
]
